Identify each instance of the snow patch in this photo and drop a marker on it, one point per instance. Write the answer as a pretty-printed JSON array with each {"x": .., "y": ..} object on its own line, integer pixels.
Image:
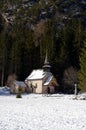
[
  {"x": 4, "y": 90},
  {"x": 36, "y": 74},
  {"x": 37, "y": 112}
]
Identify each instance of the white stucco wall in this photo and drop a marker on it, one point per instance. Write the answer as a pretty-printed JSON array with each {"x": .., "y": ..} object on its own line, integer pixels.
[{"x": 37, "y": 85}]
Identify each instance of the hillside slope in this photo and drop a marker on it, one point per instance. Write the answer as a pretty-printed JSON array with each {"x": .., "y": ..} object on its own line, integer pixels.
[{"x": 35, "y": 10}]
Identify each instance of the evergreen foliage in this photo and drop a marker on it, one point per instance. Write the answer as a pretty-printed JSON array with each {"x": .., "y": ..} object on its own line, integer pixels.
[
  {"x": 82, "y": 73},
  {"x": 23, "y": 46},
  {"x": 19, "y": 92}
]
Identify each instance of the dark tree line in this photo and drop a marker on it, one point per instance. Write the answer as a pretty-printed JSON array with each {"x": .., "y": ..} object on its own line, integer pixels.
[{"x": 23, "y": 48}]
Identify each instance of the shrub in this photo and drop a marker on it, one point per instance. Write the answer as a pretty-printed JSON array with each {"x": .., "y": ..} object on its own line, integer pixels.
[{"x": 19, "y": 93}]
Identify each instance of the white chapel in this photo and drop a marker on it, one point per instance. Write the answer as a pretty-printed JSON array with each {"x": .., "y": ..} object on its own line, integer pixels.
[{"x": 42, "y": 80}]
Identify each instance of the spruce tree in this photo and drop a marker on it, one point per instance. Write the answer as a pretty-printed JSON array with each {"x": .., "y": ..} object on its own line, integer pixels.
[{"x": 82, "y": 73}]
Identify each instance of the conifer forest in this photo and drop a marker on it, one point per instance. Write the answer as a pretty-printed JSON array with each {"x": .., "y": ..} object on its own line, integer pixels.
[{"x": 26, "y": 32}]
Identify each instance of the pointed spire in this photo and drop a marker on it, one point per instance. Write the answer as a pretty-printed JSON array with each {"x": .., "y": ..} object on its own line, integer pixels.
[
  {"x": 46, "y": 58},
  {"x": 46, "y": 66}
]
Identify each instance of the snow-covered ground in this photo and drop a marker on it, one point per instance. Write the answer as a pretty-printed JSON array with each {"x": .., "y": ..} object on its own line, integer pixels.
[{"x": 40, "y": 112}]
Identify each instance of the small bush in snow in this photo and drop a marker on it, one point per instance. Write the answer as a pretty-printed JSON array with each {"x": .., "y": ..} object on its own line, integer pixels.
[{"x": 19, "y": 93}]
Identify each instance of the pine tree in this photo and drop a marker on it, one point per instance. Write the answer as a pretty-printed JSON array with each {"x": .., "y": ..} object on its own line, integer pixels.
[
  {"x": 3, "y": 54},
  {"x": 47, "y": 41},
  {"x": 15, "y": 52},
  {"x": 82, "y": 73}
]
